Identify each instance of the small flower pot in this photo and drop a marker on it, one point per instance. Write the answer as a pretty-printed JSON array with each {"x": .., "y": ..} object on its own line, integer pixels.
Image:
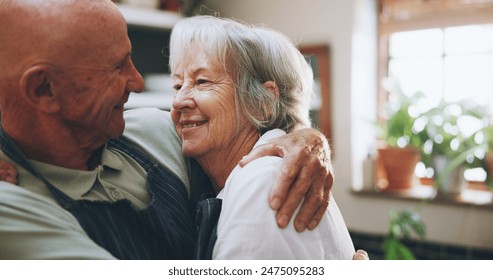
[{"x": 398, "y": 166}]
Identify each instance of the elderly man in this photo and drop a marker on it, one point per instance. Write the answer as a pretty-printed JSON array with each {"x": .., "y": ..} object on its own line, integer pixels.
[{"x": 91, "y": 183}]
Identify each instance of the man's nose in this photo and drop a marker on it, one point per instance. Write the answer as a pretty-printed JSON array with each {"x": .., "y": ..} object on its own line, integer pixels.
[{"x": 135, "y": 82}]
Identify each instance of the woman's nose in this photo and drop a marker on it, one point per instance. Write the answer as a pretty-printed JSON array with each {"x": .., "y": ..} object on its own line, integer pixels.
[{"x": 183, "y": 99}]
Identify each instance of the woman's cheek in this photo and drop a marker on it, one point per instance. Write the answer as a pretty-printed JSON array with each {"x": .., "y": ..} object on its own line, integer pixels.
[{"x": 175, "y": 117}]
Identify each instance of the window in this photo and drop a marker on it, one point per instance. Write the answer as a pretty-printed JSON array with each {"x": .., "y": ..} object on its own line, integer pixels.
[
  {"x": 442, "y": 48},
  {"x": 452, "y": 63}
]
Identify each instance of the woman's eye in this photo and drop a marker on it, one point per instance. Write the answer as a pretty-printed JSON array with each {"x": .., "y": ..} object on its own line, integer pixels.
[
  {"x": 202, "y": 81},
  {"x": 177, "y": 87}
]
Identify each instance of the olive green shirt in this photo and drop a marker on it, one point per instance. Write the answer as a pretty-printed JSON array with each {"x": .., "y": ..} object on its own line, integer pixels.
[{"x": 30, "y": 218}]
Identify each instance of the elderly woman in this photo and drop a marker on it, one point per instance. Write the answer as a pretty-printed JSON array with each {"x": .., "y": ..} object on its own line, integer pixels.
[{"x": 238, "y": 86}]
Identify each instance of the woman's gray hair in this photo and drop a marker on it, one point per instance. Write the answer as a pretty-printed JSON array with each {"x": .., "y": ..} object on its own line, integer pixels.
[{"x": 251, "y": 56}]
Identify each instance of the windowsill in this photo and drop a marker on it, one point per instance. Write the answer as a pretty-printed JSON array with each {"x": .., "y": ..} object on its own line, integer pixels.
[{"x": 420, "y": 192}]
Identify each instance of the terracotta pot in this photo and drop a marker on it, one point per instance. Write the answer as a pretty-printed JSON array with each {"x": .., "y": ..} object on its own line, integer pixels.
[{"x": 398, "y": 166}]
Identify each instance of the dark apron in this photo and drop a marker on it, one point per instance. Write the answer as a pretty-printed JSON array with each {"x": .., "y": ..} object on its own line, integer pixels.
[
  {"x": 206, "y": 218},
  {"x": 162, "y": 230}
]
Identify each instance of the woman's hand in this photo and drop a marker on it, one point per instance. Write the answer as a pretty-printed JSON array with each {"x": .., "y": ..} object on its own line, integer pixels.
[
  {"x": 8, "y": 172},
  {"x": 361, "y": 255},
  {"x": 306, "y": 174}
]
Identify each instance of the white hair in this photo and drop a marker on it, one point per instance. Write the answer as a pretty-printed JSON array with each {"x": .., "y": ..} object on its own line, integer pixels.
[{"x": 251, "y": 56}]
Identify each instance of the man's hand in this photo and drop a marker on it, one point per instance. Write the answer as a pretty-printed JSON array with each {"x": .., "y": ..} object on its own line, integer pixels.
[{"x": 306, "y": 174}]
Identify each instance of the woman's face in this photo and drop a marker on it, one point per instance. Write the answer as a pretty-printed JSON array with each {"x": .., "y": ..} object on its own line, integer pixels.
[{"x": 203, "y": 108}]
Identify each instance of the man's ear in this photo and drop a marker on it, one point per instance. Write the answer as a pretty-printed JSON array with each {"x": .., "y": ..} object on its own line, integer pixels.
[
  {"x": 36, "y": 86},
  {"x": 272, "y": 87}
]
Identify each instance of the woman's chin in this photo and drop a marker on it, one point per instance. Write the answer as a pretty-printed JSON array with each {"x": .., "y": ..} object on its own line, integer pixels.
[{"x": 191, "y": 150}]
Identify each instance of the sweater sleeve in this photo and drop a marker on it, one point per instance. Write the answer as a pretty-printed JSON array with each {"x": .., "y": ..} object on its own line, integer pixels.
[
  {"x": 32, "y": 227},
  {"x": 152, "y": 131}
]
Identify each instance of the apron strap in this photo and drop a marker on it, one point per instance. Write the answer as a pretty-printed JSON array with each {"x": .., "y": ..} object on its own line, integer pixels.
[{"x": 206, "y": 219}]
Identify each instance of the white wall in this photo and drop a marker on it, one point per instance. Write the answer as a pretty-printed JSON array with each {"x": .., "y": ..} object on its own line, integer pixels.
[{"x": 349, "y": 28}]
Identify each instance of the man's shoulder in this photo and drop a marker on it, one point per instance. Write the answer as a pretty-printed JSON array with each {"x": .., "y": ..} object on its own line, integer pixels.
[
  {"x": 13, "y": 194},
  {"x": 16, "y": 200},
  {"x": 145, "y": 111},
  {"x": 33, "y": 227},
  {"x": 145, "y": 118},
  {"x": 151, "y": 130}
]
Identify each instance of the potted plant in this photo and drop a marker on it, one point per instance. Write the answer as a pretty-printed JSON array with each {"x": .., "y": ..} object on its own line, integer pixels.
[
  {"x": 402, "y": 149},
  {"x": 451, "y": 142},
  {"x": 402, "y": 225}
]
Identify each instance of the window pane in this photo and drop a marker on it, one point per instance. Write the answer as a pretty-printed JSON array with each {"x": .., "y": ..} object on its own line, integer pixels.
[
  {"x": 469, "y": 77},
  {"x": 421, "y": 43},
  {"x": 423, "y": 75},
  {"x": 469, "y": 39}
]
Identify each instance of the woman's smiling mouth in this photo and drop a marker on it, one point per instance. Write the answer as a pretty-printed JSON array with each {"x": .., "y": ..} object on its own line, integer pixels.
[{"x": 192, "y": 124}]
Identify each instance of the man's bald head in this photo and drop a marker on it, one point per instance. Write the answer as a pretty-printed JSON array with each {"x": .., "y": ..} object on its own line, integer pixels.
[
  {"x": 49, "y": 30},
  {"x": 48, "y": 49}
]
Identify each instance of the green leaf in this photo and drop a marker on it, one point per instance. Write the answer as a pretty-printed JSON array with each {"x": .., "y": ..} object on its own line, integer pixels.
[
  {"x": 395, "y": 250},
  {"x": 403, "y": 223}
]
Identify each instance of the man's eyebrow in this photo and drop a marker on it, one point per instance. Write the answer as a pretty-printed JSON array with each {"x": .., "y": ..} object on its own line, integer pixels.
[{"x": 125, "y": 56}]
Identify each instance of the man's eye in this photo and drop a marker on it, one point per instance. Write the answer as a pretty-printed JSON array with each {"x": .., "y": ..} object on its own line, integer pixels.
[
  {"x": 120, "y": 65},
  {"x": 123, "y": 63}
]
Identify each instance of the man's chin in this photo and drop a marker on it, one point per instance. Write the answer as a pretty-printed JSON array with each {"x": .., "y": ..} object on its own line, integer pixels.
[{"x": 116, "y": 131}]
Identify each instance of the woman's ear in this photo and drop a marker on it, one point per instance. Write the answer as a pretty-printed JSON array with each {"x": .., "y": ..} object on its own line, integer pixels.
[
  {"x": 272, "y": 87},
  {"x": 35, "y": 84}
]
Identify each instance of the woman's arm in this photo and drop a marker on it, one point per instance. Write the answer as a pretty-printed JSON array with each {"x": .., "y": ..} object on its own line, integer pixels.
[
  {"x": 247, "y": 229},
  {"x": 8, "y": 172}
]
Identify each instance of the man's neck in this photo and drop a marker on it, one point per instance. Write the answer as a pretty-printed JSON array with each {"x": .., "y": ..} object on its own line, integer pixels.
[{"x": 52, "y": 149}]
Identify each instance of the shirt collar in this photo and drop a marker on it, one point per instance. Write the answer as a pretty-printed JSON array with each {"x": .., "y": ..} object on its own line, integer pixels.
[
  {"x": 269, "y": 135},
  {"x": 76, "y": 183}
]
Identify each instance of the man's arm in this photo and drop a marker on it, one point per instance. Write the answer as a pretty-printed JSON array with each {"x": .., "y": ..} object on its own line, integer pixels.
[
  {"x": 32, "y": 227},
  {"x": 306, "y": 174}
]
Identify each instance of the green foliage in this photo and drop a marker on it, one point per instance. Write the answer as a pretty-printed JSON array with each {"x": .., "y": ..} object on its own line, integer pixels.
[
  {"x": 446, "y": 137},
  {"x": 488, "y": 134},
  {"x": 395, "y": 250},
  {"x": 436, "y": 131},
  {"x": 399, "y": 129},
  {"x": 403, "y": 224}
]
